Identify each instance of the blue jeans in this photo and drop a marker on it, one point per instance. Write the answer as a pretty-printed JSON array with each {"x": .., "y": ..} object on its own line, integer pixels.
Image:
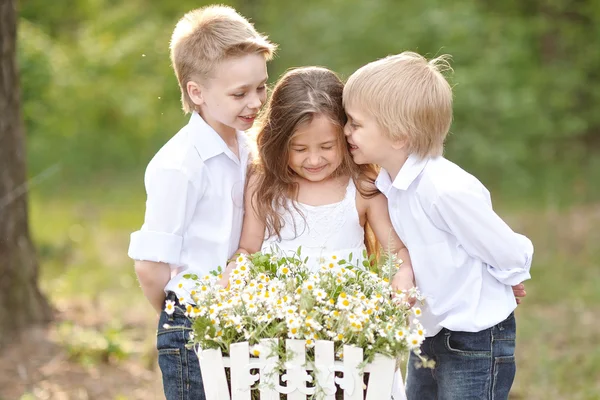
[
  {"x": 179, "y": 366},
  {"x": 469, "y": 365}
]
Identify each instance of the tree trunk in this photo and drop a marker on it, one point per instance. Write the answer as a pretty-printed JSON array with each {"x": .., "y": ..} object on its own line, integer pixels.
[{"x": 21, "y": 302}]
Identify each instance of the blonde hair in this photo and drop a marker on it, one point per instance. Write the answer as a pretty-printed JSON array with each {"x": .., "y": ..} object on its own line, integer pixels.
[
  {"x": 206, "y": 36},
  {"x": 409, "y": 98}
]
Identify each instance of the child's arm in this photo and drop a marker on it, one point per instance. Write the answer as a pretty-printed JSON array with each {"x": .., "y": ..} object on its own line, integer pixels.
[
  {"x": 379, "y": 218},
  {"x": 170, "y": 205},
  {"x": 468, "y": 215},
  {"x": 153, "y": 277},
  {"x": 253, "y": 230}
]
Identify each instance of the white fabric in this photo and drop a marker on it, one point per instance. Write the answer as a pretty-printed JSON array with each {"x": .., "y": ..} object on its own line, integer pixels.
[
  {"x": 465, "y": 257},
  {"x": 194, "y": 208},
  {"x": 321, "y": 231}
]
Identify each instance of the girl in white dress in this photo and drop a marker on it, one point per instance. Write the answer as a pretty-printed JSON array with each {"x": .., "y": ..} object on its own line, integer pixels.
[{"x": 304, "y": 188}]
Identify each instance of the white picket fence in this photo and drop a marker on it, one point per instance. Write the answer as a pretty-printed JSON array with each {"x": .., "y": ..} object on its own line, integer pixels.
[{"x": 298, "y": 383}]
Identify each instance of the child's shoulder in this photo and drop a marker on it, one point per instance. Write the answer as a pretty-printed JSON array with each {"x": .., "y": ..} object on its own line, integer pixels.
[
  {"x": 180, "y": 154},
  {"x": 443, "y": 178}
]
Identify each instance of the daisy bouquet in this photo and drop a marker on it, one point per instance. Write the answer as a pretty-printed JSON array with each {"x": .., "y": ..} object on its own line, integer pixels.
[{"x": 276, "y": 296}]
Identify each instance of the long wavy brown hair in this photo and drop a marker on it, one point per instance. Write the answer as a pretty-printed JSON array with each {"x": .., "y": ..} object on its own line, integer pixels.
[{"x": 299, "y": 96}]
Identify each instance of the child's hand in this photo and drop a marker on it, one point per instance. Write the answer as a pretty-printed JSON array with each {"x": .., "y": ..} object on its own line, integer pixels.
[
  {"x": 404, "y": 280},
  {"x": 224, "y": 281},
  {"x": 519, "y": 291}
]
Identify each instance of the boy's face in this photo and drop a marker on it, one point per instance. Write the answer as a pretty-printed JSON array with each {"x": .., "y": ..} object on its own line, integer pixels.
[
  {"x": 315, "y": 153},
  {"x": 368, "y": 142},
  {"x": 233, "y": 96}
]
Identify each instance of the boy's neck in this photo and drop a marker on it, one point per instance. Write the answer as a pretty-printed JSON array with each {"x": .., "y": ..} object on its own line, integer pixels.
[
  {"x": 227, "y": 133},
  {"x": 393, "y": 165}
]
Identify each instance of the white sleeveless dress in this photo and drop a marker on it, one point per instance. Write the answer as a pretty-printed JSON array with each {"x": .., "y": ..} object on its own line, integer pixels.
[
  {"x": 321, "y": 231},
  {"x": 324, "y": 231}
]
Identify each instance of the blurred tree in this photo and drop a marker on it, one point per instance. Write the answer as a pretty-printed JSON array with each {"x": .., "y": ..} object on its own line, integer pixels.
[{"x": 21, "y": 302}]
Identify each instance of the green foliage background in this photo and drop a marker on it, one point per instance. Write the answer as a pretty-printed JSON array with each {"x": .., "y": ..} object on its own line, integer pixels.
[
  {"x": 100, "y": 99},
  {"x": 100, "y": 96}
]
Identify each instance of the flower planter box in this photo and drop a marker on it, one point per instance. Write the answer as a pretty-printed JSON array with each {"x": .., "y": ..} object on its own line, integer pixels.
[{"x": 298, "y": 383}]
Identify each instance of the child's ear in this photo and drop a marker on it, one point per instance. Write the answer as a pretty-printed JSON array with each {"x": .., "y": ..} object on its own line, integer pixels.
[
  {"x": 194, "y": 90},
  {"x": 398, "y": 144}
]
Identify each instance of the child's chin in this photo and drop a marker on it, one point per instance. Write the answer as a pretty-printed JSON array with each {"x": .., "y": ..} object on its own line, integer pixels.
[{"x": 359, "y": 160}]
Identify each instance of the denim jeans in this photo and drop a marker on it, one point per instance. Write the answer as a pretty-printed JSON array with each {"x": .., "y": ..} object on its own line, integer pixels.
[
  {"x": 469, "y": 365},
  {"x": 179, "y": 366}
]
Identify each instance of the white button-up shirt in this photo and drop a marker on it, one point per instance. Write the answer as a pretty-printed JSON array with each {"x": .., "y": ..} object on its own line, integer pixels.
[
  {"x": 194, "y": 208},
  {"x": 465, "y": 257}
]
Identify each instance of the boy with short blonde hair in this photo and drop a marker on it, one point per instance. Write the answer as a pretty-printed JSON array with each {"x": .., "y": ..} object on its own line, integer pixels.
[
  {"x": 194, "y": 184},
  {"x": 465, "y": 258},
  {"x": 206, "y": 36}
]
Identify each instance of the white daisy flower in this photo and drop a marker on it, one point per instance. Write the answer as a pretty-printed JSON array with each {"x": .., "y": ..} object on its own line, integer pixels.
[
  {"x": 414, "y": 341},
  {"x": 169, "y": 307},
  {"x": 255, "y": 350}
]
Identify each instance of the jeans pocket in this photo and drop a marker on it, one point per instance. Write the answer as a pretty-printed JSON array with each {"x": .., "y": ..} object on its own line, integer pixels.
[
  {"x": 469, "y": 344},
  {"x": 171, "y": 367},
  {"x": 170, "y": 343},
  {"x": 504, "y": 375}
]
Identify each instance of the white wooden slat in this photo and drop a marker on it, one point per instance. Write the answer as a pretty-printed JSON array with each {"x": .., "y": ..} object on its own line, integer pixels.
[
  {"x": 325, "y": 369},
  {"x": 383, "y": 381},
  {"x": 381, "y": 378},
  {"x": 353, "y": 383},
  {"x": 295, "y": 373},
  {"x": 398, "y": 388},
  {"x": 240, "y": 372},
  {"x": 269, "y": 377},
  {"x": 213, "y": 375}
]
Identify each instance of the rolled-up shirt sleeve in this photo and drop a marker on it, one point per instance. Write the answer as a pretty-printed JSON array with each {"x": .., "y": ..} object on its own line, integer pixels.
[
  {"x": 468, "y": 215},
  {"x": 171, "y": 202}
]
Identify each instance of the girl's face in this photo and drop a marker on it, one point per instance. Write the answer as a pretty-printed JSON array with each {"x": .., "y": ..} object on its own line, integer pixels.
[{"x": 315, "y": 152}]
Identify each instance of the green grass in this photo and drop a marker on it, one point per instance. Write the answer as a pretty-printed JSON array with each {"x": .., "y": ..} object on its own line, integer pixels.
[
  {"x": 558, "y": 329},
  {"x": 82, "y": 236}
]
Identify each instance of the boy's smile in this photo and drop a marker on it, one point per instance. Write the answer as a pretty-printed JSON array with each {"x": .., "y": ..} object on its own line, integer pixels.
[
  {"x": 248, "y": 119},
  {"x": 368, "y": 142},
  {"x": 231, "y": 99}
]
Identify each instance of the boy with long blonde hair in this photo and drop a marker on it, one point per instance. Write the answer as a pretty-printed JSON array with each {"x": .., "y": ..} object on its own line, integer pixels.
[{"x": 465, "y": 258}]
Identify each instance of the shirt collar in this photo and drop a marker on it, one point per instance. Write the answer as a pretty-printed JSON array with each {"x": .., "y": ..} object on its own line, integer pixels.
[
  {"x": 411, "y": 169},
  {"x": 209, "y": 143}
]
